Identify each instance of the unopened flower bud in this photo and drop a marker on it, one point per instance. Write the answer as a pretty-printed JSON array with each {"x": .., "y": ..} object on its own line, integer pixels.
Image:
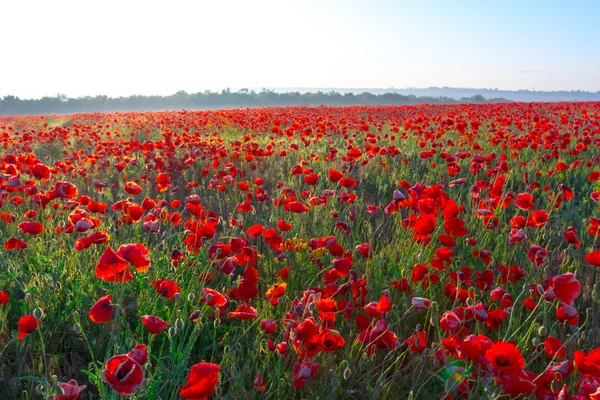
[
  {"x": 347, "y": 374},
  {"x": 38, "y": 313}
]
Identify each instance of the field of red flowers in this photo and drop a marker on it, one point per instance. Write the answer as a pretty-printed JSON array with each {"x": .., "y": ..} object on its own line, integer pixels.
[{"x": 425, "y": 252}]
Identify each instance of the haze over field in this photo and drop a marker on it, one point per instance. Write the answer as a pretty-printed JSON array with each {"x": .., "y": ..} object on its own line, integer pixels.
[{"x": 146, "y": 48}]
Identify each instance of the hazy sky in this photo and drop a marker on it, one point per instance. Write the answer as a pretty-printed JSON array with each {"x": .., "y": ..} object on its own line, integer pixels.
[{"x": 125, "y": 47}]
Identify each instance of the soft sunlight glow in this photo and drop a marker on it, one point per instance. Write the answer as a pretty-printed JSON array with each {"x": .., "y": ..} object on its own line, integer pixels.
[{"x": 128, "y": 47}]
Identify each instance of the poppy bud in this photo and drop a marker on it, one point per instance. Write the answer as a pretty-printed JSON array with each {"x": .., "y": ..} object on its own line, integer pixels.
[
  {"x": 418, "y": 328},
  {"x": 191, "y": 297},
  {"x": 540, "y": 290},
  {"x": 469, "y": 301},
  {"x": 536, "y": 341},
  {"x": 129, "y": 342},
  {"x": 347, "y": 374},
  {"x": 38, "y": 313},
  {"x": 120, "y": 349},
  {"x": 543, "y": 331},
  {"x": 179, "y": 324},
  {"x": 77, "y": 328},
  {"x": 177, "y": 296},
  {"x": 172, "y": 331},
  {"x": 434, "y": 320}
]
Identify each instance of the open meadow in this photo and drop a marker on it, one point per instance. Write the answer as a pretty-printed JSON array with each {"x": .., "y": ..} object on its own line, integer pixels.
[{"x": 365, "y": 252}]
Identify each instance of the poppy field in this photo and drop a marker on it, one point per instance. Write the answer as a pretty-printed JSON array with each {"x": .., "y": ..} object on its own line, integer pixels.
[{"x": 364, "y": 252}]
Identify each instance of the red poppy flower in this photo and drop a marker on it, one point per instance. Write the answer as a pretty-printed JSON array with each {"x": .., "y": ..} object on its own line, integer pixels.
[
  {"x": 342, "y": 266},
  {"x": 554, "y": 347},
  {"x": 516, "y": 383},
  {"x": 303, "y": 372},
  {"x": 112, "y": 268},
  {"x": 296, "y": 207},
  {"x": 365, "y": 250},
  {"x": 259, "y": 382},
  {"x": 39, "y": 171},
  {"x": 244, "y": 311},
  {"x": 417, "y": 342},
  {"x": 571, "y": 236},
  {"x": 154, "y": 324},
  {"x": 524, "y": 201},
  {"x": 275, "y": 292},
  {"x": 334, "y": 175},
  {"x": 331, "y": 340},
  {"x": 593, "y": 258},
  {"x": 565, "y": 288},
  {"x": 537, "y": 219},
  {"x": 65, "y": 190},
  {"x": 311, "y": 179},
  {"x": 348, "y": 183},
  {"x": 588, "y": 363},
  {"x": 4, "y": 298},
  {"x": 123, "y": 373},
  {"x": 505, "y": 357},
  {"x": 201, "y": 381},
  {"x": 27, "y": 324},
  {"x": 31, "y": 228},
  {"x": 284, "y": 226},
  {"x": 101, "y": 311},
  {"x": 268, "y": 326},
  {"x": 133, "y": 188},
  {"x": 136, "y": 255},
  {"x": 14, "y": 243},
  {"x": 214, "y": 298},
  {"x": 70, "y": 390},
  {"x": 537, "y": 254},
  {"x": 166, "y": 288},
  {"x": 450, "y": 322}
]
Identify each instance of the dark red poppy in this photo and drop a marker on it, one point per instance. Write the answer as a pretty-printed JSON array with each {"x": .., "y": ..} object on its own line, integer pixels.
[{"x": 259, "y": 382}]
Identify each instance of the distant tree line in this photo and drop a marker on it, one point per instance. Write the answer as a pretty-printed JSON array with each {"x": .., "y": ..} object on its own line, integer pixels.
[{"x": 61, "y": 104}]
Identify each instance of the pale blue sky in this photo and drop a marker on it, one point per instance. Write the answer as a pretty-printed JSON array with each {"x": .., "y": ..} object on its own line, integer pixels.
[{"x": 144, "y": 47}]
